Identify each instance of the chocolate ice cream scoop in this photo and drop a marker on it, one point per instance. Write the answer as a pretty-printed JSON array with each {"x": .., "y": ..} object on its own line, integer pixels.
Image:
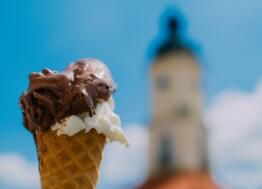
[{"x": 53, "y": 96}]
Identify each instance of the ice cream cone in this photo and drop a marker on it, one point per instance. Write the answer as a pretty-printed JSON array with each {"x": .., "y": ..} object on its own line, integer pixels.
[
  {"x": 65, "y": 111},
  {"x": 70, "y": 162}
]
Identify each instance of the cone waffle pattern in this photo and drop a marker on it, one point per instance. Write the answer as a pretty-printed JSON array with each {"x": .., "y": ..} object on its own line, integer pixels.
[{"x": 70, "y": 162}]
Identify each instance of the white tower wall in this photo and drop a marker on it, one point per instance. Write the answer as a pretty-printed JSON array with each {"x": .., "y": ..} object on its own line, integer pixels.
[{"x": 178, "y": 137}]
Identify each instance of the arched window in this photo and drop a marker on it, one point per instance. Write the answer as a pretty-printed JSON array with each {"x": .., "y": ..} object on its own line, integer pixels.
[
  {"x": 183, "y": 110},
  {"x": 165, "y": 157},
  {"x": 162, "y": 83}
]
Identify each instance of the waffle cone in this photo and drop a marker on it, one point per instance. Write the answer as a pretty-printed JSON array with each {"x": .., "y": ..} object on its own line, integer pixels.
[{"x": 70, "y": 162}]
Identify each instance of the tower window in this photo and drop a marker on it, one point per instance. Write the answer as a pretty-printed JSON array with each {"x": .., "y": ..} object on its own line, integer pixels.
[
  {"x": 165, "y": 158},
  {"x": 183, "y": 110},
  {"x": 162, "y": 83}
]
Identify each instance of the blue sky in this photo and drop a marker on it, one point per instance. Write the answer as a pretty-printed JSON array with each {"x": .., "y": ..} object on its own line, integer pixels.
[{"x": 36, "y": 34}]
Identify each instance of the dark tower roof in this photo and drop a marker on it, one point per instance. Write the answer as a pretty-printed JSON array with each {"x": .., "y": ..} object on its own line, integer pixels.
[{"x": 173, "y": 43}]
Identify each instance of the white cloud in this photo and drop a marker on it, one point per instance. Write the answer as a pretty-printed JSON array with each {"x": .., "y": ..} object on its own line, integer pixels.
[
  {"x": 235, "y": 125},
  {"x": 127, "y": 165},
  {"x": 15, "y": 170},
  {"x": 234, "y": 116}
]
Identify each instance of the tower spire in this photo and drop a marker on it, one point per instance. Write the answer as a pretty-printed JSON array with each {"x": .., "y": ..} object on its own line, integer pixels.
[{"x": 174, "y": 42}]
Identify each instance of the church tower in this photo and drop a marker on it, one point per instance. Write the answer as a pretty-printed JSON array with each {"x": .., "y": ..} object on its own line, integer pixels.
[{"x": 178, "y": 137}]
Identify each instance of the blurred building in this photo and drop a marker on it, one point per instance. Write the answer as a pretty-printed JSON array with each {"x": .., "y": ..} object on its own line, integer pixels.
[{"x": 178, "y": 137}]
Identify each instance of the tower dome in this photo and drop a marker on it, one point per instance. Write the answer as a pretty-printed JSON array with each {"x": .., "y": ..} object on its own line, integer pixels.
[{"x": 174, "y": 42}]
